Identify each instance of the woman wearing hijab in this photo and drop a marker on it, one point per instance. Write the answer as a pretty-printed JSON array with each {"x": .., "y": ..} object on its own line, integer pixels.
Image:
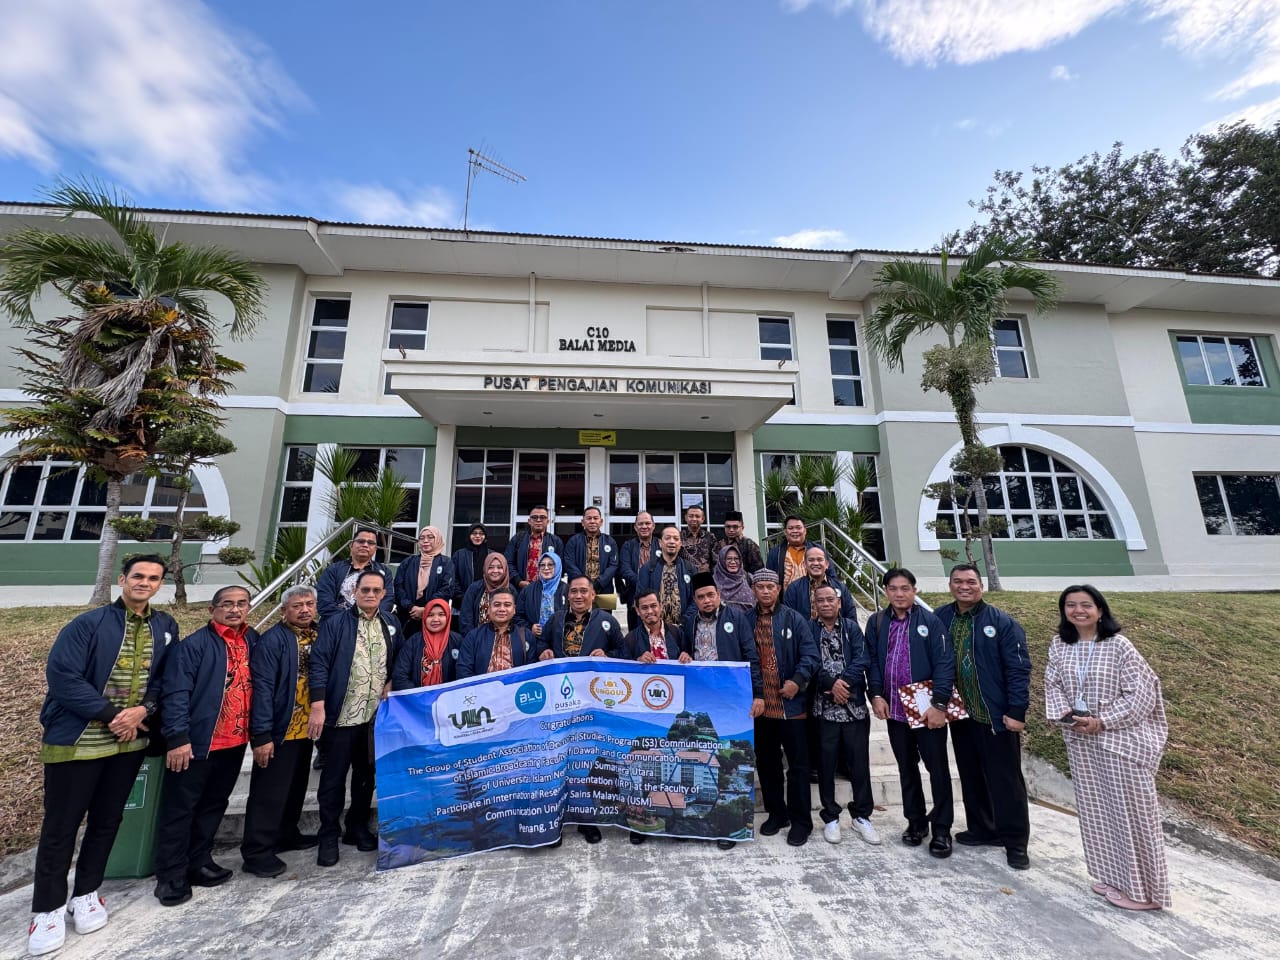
[
  {"x": 475, "y": 603},
  {"x": 1106, "y": 698},
  {"x": 544, "y": 598},
  {"x": 731, "y": 579},
  {"x": 427, "y": 575},
  {"x": 428, "y": 656},
  {"x": 468, "y": 561}
]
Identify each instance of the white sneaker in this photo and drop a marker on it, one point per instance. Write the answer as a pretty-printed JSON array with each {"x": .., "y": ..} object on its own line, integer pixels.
[
  {"x": 866, "y": 830},
  {"x": 47, "y": 933},
  {"x": 89, "y": 912},
  {"x": 831, "y": 832}
]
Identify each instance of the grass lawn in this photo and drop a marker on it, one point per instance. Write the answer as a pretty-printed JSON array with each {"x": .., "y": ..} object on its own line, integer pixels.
[
  {"x": 1217, "y": 655},
  {"x": 1218, "y": 659}
]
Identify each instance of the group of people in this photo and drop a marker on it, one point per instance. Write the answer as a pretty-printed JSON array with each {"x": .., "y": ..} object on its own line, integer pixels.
[{"x": 122, "y": 684}]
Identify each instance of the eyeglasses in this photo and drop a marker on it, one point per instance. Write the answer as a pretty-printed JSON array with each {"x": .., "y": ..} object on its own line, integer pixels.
[
  {"x": 370, "y": 591},
  {"x": 366, "y": 543},
  {"x": 232, "y": 605},
  {"x": 539, "y": 516}
]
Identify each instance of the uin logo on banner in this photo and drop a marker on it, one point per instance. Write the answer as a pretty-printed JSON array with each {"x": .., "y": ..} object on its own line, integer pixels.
[{"x": 472, "y": 713}]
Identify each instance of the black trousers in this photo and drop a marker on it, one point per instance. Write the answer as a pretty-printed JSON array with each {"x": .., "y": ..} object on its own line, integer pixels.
[
  {"x": 276, "y": 794},
  {"x": 848, "y": 741},
  {"x": 346, "y": 749},
  {"x": 991, "y": 784},
  {"x": 774, "y": 738},
  {"x": 191, "y": 809},
  {"x": 73, "y": 790},
  {"x": 910, "y": 746}
]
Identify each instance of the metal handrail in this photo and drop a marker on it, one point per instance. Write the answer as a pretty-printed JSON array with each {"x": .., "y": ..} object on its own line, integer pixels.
[
  {"x": 857, "y": 568},
  {"x": 292, "y": 576}
]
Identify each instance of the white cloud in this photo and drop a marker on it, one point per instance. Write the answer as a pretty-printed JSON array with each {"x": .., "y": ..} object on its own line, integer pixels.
[
  {"x": 819, "y": 238},
  {"x": 158, "y": 95},
  {"x": 374, "y": 203},
  {"x": 965, "y": 123},
  {"x": 1060, "y": 72},
  {"x": 971, "y": 31}
]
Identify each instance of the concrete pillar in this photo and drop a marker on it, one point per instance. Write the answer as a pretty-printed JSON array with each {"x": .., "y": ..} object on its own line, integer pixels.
[
  {"x": 744, "y": 472},
  {"x": 442, "y": 479}
]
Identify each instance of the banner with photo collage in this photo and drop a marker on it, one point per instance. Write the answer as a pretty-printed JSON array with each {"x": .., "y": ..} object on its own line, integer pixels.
[{"x": 509, "y": 759}]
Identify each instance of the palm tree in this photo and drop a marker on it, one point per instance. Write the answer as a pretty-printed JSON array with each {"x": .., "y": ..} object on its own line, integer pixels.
[
  {"x": 923, "y": 297},
  {"x": 138, "y": 354}
]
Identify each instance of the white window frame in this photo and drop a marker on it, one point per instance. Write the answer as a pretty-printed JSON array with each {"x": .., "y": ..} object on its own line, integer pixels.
[
  {"x": 48, "y": 467},
  {"x": 392, "y": 332},
  {"x": 314, "y": 327},
  {"x": 1226, "y": 338},
  {"x": 996, "y": 350},
  {"x": 791, "y": 336},
  {"x": 860, "y": 384},
  {"x": 1007, "y": 512}
]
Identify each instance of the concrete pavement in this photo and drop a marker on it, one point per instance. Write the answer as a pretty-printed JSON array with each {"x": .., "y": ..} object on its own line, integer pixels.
[{"x": 667, "y": 899}]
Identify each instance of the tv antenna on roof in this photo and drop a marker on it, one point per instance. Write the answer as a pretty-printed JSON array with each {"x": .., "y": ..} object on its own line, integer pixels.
[{"x": 476, "y": 162}]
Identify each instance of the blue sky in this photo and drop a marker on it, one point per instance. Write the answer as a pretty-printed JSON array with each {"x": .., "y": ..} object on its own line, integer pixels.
[{"x": 833, "y": 123}]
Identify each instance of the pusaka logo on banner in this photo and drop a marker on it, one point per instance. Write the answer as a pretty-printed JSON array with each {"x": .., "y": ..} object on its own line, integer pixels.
[
  {"x": 472, "y": 713},
  {"x": 566, "y": 695}
]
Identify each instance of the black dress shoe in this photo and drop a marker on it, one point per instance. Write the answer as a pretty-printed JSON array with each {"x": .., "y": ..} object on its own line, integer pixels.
[
  {"x": 967, "y": 838},
  {"x": 172, "y": 894},
  {"x": 940, "y": 846},
  {"x": 265, "y": 868},
  {"x": 772, "y": 825},
  {"x": 209, "y": 875},
  {"x": 913, "y": 836},
  {"x": 590, "y": 834},
  {"x": 327, "y": 855},
  {"x": 299, "y": 841},
  {"x": 798, "y": 835},
  {"x": 1017, "y": 858},
  {"x": 725, "y": 844},
  {"x": 362, "y": 840},
  {"x": 636, "y": 839}
]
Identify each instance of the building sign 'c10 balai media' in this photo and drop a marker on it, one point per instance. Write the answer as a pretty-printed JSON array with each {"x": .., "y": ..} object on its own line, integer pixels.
[{"x": 598, "y": 341}]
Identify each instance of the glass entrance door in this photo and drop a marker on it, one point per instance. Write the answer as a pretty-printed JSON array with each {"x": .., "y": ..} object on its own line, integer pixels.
[
  {"x": 499, "y": 487},
  {"x": 664, "y": 484}
]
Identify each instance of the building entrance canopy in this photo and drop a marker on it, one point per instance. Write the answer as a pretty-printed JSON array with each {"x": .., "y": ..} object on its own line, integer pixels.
[{"x": 544, "y": 390}]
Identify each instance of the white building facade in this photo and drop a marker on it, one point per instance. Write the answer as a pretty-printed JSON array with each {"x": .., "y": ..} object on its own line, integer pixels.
[{"x": 1139, "y": 421}]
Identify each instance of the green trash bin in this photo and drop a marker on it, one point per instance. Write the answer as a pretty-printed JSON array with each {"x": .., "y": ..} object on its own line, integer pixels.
[{"x": 134, "y": 852}]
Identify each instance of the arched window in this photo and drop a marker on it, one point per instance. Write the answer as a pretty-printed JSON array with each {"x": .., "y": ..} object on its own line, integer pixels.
[
  {"x": 53, "y": 500},
  {"x": 1040, "y": 498}
]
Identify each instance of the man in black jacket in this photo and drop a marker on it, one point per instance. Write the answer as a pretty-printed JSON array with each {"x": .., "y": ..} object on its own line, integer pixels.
[
  {"x": 350, "y": 674},
  {"x": 278, "y": 718},
  {"x": 104, "y": 677}
]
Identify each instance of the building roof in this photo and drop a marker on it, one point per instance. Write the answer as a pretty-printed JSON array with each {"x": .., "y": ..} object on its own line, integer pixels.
[{"x": 330, "y": 248}]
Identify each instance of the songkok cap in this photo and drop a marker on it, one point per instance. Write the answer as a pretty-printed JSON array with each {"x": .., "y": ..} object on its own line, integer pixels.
[
  {"x": 701, "y": 580},
  {"x": 733, "y": 515},
  {"x": 765, "y": 575}
]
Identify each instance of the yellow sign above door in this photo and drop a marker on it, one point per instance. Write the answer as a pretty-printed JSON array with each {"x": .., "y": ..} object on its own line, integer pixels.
[{"x": 597, "y": 438}]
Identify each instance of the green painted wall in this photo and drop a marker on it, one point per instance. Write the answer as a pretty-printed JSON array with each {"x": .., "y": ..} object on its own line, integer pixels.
[
  {"x": 562, "y": 439},
  {"x": 813, "y": 439},
  {"x": 360, "y": 431},
  {"x": 1250, "y": 405},
  {"x": 62, "y": 564},
  {"x": 1073, "y": 559}
]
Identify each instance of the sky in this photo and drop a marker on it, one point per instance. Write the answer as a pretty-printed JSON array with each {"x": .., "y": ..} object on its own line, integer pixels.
[{"x": 835, "y": 124}]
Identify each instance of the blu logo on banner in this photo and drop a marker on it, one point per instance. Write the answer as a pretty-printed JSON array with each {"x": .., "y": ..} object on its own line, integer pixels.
[
  {"x": 472, "y": 713},
  {"x": 531, "y": 697}
]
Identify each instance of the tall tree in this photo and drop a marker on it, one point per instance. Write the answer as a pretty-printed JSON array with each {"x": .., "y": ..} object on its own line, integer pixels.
[
  {"x": 923, "y": 297},
  {"x": 1213, "y": 208},
  {"x": 137, "y": 355}
]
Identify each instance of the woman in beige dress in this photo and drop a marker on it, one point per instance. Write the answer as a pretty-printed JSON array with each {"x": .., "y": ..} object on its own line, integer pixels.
[{"x": 1107, "y": 700}]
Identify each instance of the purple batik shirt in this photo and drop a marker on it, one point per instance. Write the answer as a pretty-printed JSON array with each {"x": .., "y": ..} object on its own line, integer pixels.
[{"x": 897, "y": 666}]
